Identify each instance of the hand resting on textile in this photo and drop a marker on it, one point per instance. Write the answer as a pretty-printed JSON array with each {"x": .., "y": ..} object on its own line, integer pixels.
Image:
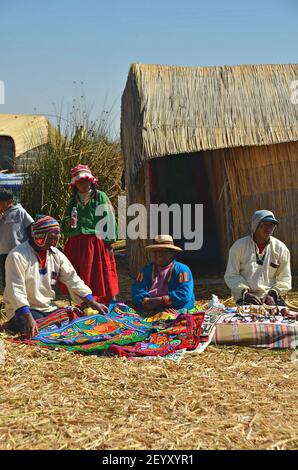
[
  {"x": 268, "y": 300},
  {"x": 153, "y": 303},
  {"x": 285, "y": 312},
  {"x": 252, "y": 299},
  {"x": 31, "y": 328},
  {"x": 101, "y": 308}
]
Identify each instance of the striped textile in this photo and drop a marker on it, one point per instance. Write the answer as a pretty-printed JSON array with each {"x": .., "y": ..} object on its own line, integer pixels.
[
  {"x": 59, "y": 316},
  {"x": 261, "y": 335}
]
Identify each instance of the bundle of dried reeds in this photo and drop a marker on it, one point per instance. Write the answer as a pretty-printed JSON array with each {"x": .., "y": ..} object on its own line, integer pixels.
[{"x": 225, "y": 398}]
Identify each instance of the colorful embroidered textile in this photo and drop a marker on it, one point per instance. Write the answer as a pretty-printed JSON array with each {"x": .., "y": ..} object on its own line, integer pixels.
[
  {"x": 60, "y": 317},
  {"x": 168, "y": 334},
  {"x": 122, "y": 331},
  {"x": 181, "y": 333}
]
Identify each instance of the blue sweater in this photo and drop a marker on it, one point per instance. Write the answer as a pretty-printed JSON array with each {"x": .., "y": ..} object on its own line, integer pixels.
[{"x": 180, "y": 284}]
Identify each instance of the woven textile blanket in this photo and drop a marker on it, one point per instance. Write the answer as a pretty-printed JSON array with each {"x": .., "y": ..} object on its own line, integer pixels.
[
  {"x": 122, "y": 331},
  {"x": 256, "y": 330}
]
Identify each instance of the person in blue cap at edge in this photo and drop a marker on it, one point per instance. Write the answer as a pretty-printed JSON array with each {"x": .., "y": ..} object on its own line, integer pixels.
[
  {"x": 15, "y": 223},
  {"x": 258, "y": 270},
  {"x": 165, "y": 282}
]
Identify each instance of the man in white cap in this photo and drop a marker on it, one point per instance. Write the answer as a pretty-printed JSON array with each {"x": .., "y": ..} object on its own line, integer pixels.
[
  {"x": 164, "y": 283},
  {"x": 258, "y": 269}
]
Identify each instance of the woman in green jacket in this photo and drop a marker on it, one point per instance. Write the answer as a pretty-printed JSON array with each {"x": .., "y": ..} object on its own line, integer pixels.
[{"x": 90, "y": 228}]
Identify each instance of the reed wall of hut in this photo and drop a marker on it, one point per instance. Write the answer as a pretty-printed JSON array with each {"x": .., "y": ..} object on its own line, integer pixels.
[
  {"x": 241, "y": 118},
  {"x": 242, "y": 180}
]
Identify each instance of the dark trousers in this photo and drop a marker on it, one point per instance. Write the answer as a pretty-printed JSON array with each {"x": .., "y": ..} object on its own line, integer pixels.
[
  {"x": 17, "y": 324},
  {"x": 2, "y": 272}
]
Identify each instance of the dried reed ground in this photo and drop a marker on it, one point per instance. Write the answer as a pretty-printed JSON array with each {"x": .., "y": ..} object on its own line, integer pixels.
[{"x": 225, "y": 398}]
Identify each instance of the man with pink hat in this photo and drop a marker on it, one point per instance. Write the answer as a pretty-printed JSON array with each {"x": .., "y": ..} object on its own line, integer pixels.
[{"x": 165, "y": 282}]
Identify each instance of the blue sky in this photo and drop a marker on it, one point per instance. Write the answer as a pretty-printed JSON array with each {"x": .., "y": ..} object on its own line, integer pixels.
[{"x": 46, "y": 46}]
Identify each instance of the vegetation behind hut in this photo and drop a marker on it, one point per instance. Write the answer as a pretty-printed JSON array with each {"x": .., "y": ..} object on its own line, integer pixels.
[{"x": 47, "y": 189}]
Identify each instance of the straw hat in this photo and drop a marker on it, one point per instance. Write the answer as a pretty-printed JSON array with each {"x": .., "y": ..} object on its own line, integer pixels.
[{"x": 163, "y": 241}]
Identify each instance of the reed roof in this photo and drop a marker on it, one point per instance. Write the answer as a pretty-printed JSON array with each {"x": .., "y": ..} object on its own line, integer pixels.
[
  {"x": 27, "y": 131},
  {"x": 170, "y": 110}
]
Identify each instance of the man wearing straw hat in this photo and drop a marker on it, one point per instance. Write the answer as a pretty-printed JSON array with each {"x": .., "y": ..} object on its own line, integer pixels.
[
  {"x": 164, "y": 283},
  {"x": 32, "y": 270},
  {"x": 258, "y": 270}
]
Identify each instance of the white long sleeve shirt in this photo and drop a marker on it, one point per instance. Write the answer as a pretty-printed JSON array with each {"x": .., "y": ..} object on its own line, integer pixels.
[
  {"x": 243, "y": 272},
  {"x": 26, "y": 286}
]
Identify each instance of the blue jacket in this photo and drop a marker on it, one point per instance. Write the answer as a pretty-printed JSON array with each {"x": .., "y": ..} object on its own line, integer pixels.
[{"x": 180, "y": 284}]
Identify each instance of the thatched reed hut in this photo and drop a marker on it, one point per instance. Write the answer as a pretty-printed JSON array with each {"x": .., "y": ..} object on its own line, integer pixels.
[
  {"x": 20, "y": 136},
  {"x": 224, "y": 136}
]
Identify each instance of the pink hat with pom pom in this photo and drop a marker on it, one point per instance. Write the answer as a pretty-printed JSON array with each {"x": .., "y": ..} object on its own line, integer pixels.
[{"x": 79, "y": 173}]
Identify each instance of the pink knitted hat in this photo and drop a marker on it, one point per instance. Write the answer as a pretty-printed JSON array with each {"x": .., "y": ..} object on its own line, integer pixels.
[{"x": 79, "y": 173}]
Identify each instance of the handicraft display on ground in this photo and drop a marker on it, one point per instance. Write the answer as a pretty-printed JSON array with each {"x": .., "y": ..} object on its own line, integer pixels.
[{"x": 169, "y": 334}]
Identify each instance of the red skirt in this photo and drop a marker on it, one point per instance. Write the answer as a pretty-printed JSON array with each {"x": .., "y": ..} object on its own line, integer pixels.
[{"x": 94, "y": 264}]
